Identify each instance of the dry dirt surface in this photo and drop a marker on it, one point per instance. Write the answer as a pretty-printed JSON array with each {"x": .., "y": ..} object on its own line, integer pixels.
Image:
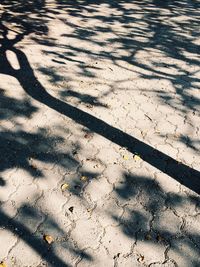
[{"x": 100, "y": 133}]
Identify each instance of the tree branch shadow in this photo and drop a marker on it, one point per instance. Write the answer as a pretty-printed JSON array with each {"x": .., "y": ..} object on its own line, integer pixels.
[
  {"x": 153, "y": 217},
  {"x": 31, "y": 85},
  {"x": 180, "y": 172}
]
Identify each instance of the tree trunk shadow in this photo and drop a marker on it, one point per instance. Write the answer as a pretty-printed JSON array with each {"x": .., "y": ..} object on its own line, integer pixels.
[{"x": 180, "y": 172}]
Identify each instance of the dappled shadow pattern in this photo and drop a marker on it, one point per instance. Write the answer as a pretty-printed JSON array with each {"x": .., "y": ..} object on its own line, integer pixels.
[
  {"x": 162, "y": 219},
  {"x": 32, "y": 86},
  {"x": 11, "y": 108},
  {"x": 154, "y": 34},
  {"x": 21, "y": 228},
  {"x": 20, "y": 148}
]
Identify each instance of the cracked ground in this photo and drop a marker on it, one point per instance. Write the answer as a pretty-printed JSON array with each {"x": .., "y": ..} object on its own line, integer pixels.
[{"x": 100, "y": 133}]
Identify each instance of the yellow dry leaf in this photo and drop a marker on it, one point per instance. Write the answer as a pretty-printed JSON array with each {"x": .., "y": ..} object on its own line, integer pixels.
[
  {"x": 3, "y": 264},
  {"x": 64, "y": 186},
  {"x": 125, "y": 157},
  {"x": 48, "y": 238},
  {"x": 83, "y": 178},
  {"x": 136, "y": 157}
]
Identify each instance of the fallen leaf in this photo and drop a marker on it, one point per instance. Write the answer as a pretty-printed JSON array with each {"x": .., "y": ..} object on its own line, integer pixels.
[
  {"x": 136, "y": 157},
  {"x": 88, "y": 135},
  {"x": 48, "y": 238},
  {"x": 89, "y": 210},
  {"x": 116, "y": 256},
  {"x": 83, "y": 178},
  {"x": 89, "y": 106},
  {"x": 3, "y": 264},
  {"x": 64, "y": 186},
  {"x": 125, "y": 157},
  {"x": 141, "y": 258}
]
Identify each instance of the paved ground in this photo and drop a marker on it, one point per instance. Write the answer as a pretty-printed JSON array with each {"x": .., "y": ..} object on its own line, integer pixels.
[{"x": 100, "y": 133}]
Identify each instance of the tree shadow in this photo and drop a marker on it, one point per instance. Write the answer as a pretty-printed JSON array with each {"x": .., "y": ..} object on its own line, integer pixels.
[
  {"x": 159, "y": 31},
  {"x": 153, "y": 217},
  {"x": 162, "y": 37},
  {"x": 23, "y": 226},
  {"x": 27, "y": 147},
  {"x": 182, "y": 173},
  {"x": 23, "y": 150},
  {"x": 26, "y": 77},
  {"x": 11, "y": 107}
]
